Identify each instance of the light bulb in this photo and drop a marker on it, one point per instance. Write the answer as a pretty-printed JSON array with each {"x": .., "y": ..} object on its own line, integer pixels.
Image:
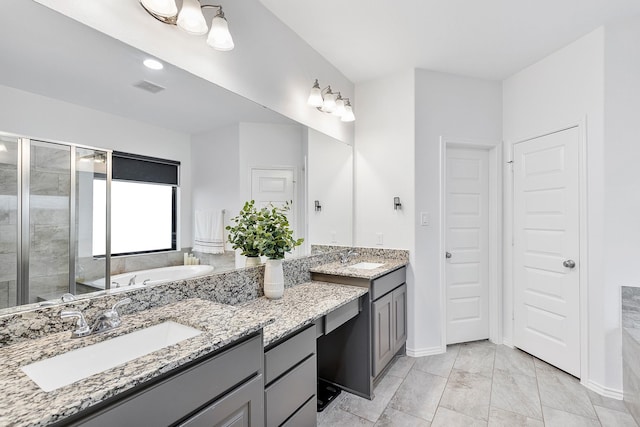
[
  {"x": 165, "y": 8},
  {"x": 329, "y": 105},
  {"x": 191, "y": 19},
  {"x": 348, "y": 115},
  {"x": 315, "y": 96},
  {"x": 219, "y": 36},
  {"x": 153, "y": 64},
  {"x": 340, "y": 110}
]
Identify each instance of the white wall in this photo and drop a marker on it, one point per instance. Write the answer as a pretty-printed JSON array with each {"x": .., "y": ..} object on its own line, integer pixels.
[
  {"x": 384, "y": 168},
  {"x": 459, "y": 109},
  {"x": 621, "y": 249},
  {"x": 270, "y": 64},
  {"x": 559, "y": 91},
  {"x": 330, "y": 181},
  {"x": 215, "y": 157},
  {"x": 222, "y": 160},
  {"x": 27, "y": 114}
]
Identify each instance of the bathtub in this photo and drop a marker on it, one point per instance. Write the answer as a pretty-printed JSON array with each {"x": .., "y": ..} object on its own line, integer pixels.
[{"x": 155, "y": 276}]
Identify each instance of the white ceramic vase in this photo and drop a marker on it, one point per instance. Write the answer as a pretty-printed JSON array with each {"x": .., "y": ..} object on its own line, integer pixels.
[
  {"x": 252, "y": 261},
  {"x": 273, "y": 279}
]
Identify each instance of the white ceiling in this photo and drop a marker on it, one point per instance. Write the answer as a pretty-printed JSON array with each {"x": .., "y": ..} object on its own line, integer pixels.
[
  {"x": 60, "y": 58},
  {"x": 491, "y": 39}
]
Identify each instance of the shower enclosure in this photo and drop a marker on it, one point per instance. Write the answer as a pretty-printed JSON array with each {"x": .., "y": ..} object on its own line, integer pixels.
[{"x": 46, "y": 218}]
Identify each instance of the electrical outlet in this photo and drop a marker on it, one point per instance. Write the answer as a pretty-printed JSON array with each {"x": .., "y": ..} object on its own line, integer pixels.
[
  {"x": 379, "y": 239},
  {"x": 425, "y": 218}
]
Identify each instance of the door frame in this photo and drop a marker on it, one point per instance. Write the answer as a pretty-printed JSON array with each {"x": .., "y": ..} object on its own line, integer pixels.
[
  {"x": 495, "y": 233},
  {"x": 300, "y": 211},
  {"x": 583, "y": 269}
]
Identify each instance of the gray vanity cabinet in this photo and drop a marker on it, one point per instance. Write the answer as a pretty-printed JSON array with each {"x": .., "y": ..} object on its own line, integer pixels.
[
  {"x": 400, "y": 318},
  {"x": 383, "y": 328},
  {"x": 353, "y": 357},
  {"x": 389, "y": 327},
  {"x": 223, "y": 389},
  {"x": 290, "y": 380}
]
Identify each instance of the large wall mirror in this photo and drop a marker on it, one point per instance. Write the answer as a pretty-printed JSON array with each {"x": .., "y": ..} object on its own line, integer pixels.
[{"x": 73, "y": 93}]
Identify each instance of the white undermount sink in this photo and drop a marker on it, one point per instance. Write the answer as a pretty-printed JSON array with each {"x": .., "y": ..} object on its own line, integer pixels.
[
  {"x": 75, "y": 365},
  {"x": 367, "y": 265}
]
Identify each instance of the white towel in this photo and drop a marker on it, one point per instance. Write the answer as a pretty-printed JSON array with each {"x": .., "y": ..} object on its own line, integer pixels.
[{"x": 209, "y": 232}]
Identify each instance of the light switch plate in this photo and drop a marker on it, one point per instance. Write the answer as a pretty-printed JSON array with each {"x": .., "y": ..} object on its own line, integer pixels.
[
  {"x": 379, "y": 239},
  {"x": 425, "y": 218}
]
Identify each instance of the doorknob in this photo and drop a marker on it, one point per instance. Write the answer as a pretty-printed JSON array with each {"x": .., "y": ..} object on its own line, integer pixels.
[
  {"x": 569, "y": 263},
  {"x": 448, "y": 255}
]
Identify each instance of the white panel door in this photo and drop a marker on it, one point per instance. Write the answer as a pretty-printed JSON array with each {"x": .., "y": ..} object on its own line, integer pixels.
[
  {"x": 467, "y": 243},
  {"x": 546, "y": 249},
  {"x": 274, "y": 187}
]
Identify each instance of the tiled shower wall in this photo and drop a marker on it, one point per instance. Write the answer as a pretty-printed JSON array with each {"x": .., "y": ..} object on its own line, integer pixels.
[
  {"x": 49, "y": 186},
  {"x": 8, "y": 223}
]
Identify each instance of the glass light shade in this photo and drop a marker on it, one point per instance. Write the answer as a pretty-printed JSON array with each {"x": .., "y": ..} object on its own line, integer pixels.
[
  {"x": 219, "y": 36},
  {"x": 340, "y": 110},
  {"x": 315, "y": 97},
  {"x": 191, "y": 19},
  {"x": 348, "y": 115},
  {"x": 166, "y": 8},
  {"x": 329, "y": 105}
]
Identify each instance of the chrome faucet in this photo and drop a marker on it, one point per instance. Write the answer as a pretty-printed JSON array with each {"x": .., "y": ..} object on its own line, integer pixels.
[
  {"x": 132, "y": 281},
  {"x": 82, "y": 327},
  {"x": 108, "y": 320},
  {"x": 344, "y": 258}
]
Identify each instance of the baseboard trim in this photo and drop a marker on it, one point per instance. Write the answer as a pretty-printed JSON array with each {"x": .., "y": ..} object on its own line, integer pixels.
[
  {"x": 507, "y": 342},
  {"x": 421, "y": 352},
  {"x": 604, "y": 391}
]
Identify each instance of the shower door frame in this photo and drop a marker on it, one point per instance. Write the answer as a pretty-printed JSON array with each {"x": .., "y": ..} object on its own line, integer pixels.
[{"x": 23, "y": 244}]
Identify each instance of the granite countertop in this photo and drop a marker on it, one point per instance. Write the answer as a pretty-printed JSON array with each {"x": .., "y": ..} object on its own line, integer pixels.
[
  {"x": 25, "y": 404},
  {"x": 300, "y": 306},
  {"x": 339, "y": 269}
]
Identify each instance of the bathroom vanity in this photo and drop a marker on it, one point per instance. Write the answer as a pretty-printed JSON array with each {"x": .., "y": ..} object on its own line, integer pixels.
[{"x": 355, "y": 356}]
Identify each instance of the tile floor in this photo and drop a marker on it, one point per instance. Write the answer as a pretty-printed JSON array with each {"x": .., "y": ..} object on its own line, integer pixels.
[{"x": 476, "y": 384}]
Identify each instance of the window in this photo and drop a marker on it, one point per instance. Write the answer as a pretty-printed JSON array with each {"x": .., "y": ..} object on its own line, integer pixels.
[{"x": 143, "y": 206}]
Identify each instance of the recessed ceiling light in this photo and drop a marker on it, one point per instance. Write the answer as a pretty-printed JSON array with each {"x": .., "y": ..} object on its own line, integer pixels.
[{"x": 153, "y": 64}]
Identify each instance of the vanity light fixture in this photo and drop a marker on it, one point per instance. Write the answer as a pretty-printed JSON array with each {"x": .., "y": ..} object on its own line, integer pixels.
[
  {"x": 191, "y": 20},
  {"x": 327, "y": 101}
]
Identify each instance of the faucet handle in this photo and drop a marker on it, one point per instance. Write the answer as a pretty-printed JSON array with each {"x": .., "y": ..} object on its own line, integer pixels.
[
  {"x": 82, "y": 328},
  {"x": 120, "y": 303}
]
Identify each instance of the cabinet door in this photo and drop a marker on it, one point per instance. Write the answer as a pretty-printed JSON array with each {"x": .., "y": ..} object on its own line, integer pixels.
[
  {"x": 382, "y": 333},
  {"x": 243, "y": 407},
  {"x": 399, "y": 317}
]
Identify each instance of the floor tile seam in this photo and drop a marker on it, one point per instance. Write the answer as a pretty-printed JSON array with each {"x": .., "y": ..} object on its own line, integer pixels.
[
  {"x": 535, "y": 370},
  {"x": 394, "y": 396},
  {"x": 572, "y": 412},
  {"x": 432, "y": 373},
  {"x": 611, "y": 409}
]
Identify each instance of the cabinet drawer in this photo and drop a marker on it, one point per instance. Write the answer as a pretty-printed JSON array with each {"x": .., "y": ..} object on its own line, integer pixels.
[
  {"x": 286, "y": 355},
  {"x": 306, "y": 416},
  {"x": 168, "y": 401},
  {"x": 341, "y": 315},
  {"x": 385, "y": 284},
  {"x": 285, "y": 396},
  {"x": 242, "y": 407}
]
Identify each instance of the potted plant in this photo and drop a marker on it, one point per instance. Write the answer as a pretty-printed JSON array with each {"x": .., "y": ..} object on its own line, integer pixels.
[
  {"x": 243, "y": 235},
  {"x": 274, "y": 240}
]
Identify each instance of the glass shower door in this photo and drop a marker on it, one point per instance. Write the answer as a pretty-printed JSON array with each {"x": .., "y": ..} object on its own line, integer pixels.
[
  {"x": 9, "y": 191},
  {"x": 49, "y": 202}
]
